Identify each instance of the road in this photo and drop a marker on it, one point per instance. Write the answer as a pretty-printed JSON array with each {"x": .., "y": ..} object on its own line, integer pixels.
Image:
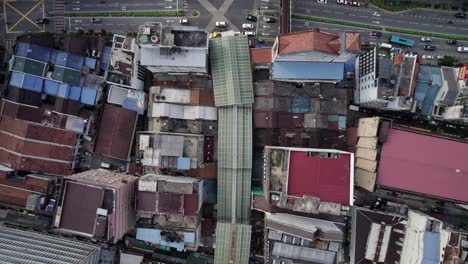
[
  {"x": 442, "y": 47},
  {"x": 420, "y": 20},
  {"x": 122, "y": 5}
]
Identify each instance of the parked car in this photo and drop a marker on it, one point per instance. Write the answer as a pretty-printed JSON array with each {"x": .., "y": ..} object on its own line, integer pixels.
[
  {"x": 249, "y": 33},
  {"x": 365, "y": 43},
  {"x": 426, "y": 39},
  {"x": 251, "y": 18},
  {"x": 269, "y": 19},
  {"x": 428, "y": 57},
  {"x": 376, "y": 34},
  {"x": 440, "y": 57},
  {"x": 247, "y": 26},
  {"x": 460, "y": 15},
  {"x": 451, "y": 41},
  {"x": 221, "y": 24},
  {"x": 95, "y": 20},
  {"x": 341, "y": 2},
  {"x": 41, "y": 21},
  {"x": 184, "y": 21},
  {"x": 322, "y": 1},
  {"x": 462, "y": 49},
  {"x": 355, "y": 3},
  {"x": 430, "y": 47}
]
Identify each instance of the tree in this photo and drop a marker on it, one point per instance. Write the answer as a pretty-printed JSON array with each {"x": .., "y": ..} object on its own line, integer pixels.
[{"x": 448, "y": 61}]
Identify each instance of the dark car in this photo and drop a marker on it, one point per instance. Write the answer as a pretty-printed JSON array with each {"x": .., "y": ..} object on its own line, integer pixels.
[
  {"x": 376, "y": 34},
  {"x": 269, "y": 19},
  {"x": 430, "y": 47},
  {"x": 451, "y": 41},
  {"x": 460, "y": 15},
  {"x": 96, "y": 20},
  {"x": 41, "y": 21},
  {"x": 251, "y": 18}
]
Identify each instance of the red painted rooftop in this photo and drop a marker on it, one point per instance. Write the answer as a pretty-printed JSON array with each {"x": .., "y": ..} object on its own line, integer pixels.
[
  {"x": 424, "y": 164},
  {"x": 326, "y": 178}
]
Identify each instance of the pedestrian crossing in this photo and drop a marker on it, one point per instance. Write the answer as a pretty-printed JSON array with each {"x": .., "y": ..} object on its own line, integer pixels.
[{"x": 59, "y": 15}]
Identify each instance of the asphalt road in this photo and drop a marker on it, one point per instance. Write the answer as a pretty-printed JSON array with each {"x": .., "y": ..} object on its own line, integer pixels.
[
  {"x": 442, "y": 47},
  {"x": 122, "y": 5},
  {"x": 428, "y": 21}
]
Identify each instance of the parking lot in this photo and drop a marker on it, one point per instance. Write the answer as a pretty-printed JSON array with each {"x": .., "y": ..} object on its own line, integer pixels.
[
  {"x": 267, "y": 30},
  {"x": 20, "y": 16}
]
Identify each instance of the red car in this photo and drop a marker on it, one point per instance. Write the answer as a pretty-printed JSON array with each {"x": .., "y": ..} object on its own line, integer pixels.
[{"x": 376, "y": 34}]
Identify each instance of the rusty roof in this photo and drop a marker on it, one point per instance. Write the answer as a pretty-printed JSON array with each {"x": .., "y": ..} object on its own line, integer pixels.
[
  {"x": 309, "y": 40},
  {"x": 353, "y": 41},
  {"x": 169, "y": 203},
  {"x": 101, "y": 177},
  {"x": 14, "y": 196},
  {"x": 260, "y": 55},
  {"x": 202, "y": 97},
  {"x": 116, "y": 131}
]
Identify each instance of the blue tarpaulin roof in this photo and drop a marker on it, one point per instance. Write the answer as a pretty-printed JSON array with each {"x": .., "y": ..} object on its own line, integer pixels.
[
  {"x": 133, "y": 104},
  {"x": 64, "y": 90},
  {"x": 16, "y": 79},
  {"x": 431, "y": 248},
  {"x": 183, "y": 163},
  {"x": 154, "y": 236},
  {"x": 300, "y": 105},
  {"x": 51, "y": 87},
  {"x": 68, "y": 60},
  {"x": 350, "y": 65},
  {"x": 105, "y": 58},
  {"x": 284, "y": 70},
  {"x": 427, "y": 87},
  {"x": 90, "y": 62},
  {"x": 260, "y": 46},
  {"x": 26, "y": 81},
  {"x": 33, "y": 51},
  {"x": 88, "y": 96}
]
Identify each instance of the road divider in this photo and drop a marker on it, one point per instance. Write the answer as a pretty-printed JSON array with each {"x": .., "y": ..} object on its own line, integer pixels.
[
  {"x": 388, "y": 29},
  {"x": 128, "y": 14}
]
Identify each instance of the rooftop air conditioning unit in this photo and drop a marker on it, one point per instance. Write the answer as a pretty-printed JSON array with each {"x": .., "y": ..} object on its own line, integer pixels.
[{"x": 154, "y": 39}]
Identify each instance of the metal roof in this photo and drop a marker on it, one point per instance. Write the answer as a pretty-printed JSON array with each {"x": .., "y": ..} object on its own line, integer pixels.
[
  {"x": 232, "y": 75},
  {"x": 450, "y": 77},
  {"x": 301, "y": 70},
  {"x": 20, "y": 246},
  {"x": 224, "y": 247}
]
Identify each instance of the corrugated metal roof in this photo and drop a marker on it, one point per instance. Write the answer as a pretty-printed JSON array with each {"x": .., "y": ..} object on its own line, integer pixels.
[
  {"x": 422, "y": 163},
  {"x": 311, "y": 255},
  {"x": 20, "y": 246},
  {"x": 232, "y": 75},
  {"x": 116, "y": 131},
  {"x": 297, "y": 70},
  {"x": 238, "y": 252}
]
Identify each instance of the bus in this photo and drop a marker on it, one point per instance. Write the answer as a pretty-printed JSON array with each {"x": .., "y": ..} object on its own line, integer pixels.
[{"x": 402, "y": 41}]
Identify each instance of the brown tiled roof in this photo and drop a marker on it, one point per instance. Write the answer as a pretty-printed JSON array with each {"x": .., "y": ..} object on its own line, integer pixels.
[
  {"x": 206, "y": 171},
  {"x": 30, "y": 183},
  {"x": 35, "y": 165},
  {"x": 116, "y": 132},
  {"x": 353, "y": 41},
  {"x": 146, "y": 201},
  {"x": 260, "y": 55},
  {"x": 308, "y": 40}
]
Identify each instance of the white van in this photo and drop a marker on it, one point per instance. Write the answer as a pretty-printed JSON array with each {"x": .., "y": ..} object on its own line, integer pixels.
[
  {"x": 385, "y": 45},
  {"x": 462, "y": 49}
]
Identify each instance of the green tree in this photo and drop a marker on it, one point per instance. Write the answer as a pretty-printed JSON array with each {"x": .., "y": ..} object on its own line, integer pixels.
[{"x": 448, "y": 61}]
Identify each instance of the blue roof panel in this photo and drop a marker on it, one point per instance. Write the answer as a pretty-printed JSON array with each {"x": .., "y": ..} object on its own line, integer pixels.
[
  {"x": 105, "y": 58},
  {"x": 88, "y": 96},
  {"x": 90, "y": 62},
  {"x": 64, "y": 90},
  {"x": 68, "y": 60},
  {"x": 285, "y": 70},
  {"x": 33, "y": 83},
  {"x": 431, "y": 248},
  {"x": 51, "y": 87},
  {"x": 17, "y": 79},
  {"x": 33, "y": 51},
  {"x": 183, "y": 163},
  {"x": 75, "y": 93}
]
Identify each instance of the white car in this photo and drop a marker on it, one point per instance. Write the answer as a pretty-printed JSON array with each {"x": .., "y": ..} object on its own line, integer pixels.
[
  {"x": 249, "y": 33},
  {"x": 247, "y": 26},
  {"x": 440, "y": 57},
  {"x": 427, "y": 57},
  {"x": 341, "y": 2},
  {"x": 322, "y": 1},
  {"x": 462, "y": 49},
  {"x": 183, "y": 21},
  {"x": 221, "y": 24},
  {"x": 426, "y": 39}
]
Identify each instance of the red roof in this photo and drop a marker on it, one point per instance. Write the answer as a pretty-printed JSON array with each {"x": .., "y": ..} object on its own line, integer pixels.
[
  {"x": 353, "y": 42},
  {"x": 325, "y": 178},
  {"x": 424, "y": 164},
  {"x": 309, "y": 40},
  {"x": 191, "y": 204},
  {"x": 116, "y": 132},
  {"x": 260, "y": 55}
]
